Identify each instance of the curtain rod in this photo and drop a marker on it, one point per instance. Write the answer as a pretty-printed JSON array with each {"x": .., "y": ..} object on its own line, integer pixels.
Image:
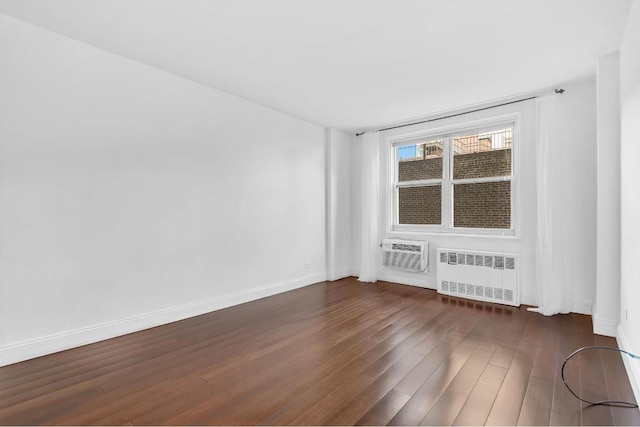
[{"x": 558, "y": 91}]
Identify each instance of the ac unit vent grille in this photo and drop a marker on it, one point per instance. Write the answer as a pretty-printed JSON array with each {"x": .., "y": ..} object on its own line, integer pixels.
[
  {"x": 401, "y": 260},
  {"x": 405, "y": 247},
  {"x": 406, "y": 255}
]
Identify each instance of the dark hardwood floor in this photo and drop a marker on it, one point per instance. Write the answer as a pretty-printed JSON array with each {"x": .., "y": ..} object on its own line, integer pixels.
[{"x": 335, "y": 353}]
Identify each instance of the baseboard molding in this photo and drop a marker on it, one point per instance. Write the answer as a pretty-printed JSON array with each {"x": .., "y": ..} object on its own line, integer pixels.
[
  {"x": 412, "y": 279},
  {"x": 582, "y": 307},
  {"x": 30, "y": 349},
  {"x": 339, "y": 274},
  {"x": 631, "y": 365},
  {"x": 527, "y": 299},
  {"x": 604, "y": 327}
]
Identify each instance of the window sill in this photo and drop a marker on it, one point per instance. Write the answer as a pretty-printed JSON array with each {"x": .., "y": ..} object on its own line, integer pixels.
[{"x": 507, "y": 235}]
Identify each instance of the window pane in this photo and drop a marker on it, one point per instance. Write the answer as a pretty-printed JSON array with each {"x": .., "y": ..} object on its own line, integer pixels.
[
  {"x": 482, "y": 205},
  {"x": 422, "y": 160},
  {"x": 420, "y": 205},
  {"x": 482, "y": 155}
]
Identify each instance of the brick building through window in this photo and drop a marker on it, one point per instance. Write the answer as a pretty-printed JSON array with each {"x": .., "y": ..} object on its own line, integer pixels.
[{"x": 472, "y": 172}]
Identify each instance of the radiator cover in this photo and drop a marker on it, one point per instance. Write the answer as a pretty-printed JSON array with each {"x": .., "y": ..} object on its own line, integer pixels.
[{"x": 484, "y": 276}]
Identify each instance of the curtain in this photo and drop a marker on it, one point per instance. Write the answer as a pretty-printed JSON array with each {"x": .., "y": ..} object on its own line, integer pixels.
[
  {"x": 369, "y": 190},
  {"x": 553, "y": 284}
]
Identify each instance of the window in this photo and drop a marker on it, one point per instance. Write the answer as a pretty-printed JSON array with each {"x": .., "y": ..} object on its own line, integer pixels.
[{"x": 458, "y": 181}]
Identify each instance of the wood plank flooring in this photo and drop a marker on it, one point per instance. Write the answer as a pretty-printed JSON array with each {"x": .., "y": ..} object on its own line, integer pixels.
[{"x": 334, "y": 353}]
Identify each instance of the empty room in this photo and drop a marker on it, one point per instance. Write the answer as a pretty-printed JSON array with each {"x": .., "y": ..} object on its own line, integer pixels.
[{"x": 319, "y": 212}]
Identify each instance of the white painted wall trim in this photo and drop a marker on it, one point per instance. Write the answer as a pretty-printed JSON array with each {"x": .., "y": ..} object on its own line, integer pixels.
[
  {"x": 339, "y": 274},
  {"x": 412, "y": 279},
  {"x": 632, "y": 365},
  {"x": 605, "y": 327},
  {"x": 422, "y": 281},
  {"x": 338, "y": 204},
  {"x": 606, "y": 310},
  {"x": 528, "y": 299},
  {"x": 30, "y": 349},
  {"x": 582, "y": 307}
]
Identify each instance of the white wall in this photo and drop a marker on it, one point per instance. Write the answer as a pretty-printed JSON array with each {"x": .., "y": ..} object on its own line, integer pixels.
[
  {"x": 606, "y": 310},
  {"x": 628, "y": 336},
  {"x": 130, "y": 197},
  {"x": 338, "y": 204},
  {"x": 578, "y": 133},
  {"x": 576, "y": 107},
  {"x": 356, "y": 209}
]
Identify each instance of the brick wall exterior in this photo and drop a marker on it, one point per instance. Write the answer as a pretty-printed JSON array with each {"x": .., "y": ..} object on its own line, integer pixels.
[
  {"x": 486, "y": 205},
  {"x": 482, "y": 164},
  {"x": 420, "y": 205},
  {"x": 473, "y": 165},
  {"x": 414, "y": 170},
  {"x": 482, "y": 205}
]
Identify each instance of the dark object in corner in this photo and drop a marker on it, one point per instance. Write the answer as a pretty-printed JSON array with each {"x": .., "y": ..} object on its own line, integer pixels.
[{"x": 601, "y": 402}]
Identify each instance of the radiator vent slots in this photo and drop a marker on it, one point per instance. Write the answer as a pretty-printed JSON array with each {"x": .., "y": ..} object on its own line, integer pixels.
[{"x": 477, "y": 275}]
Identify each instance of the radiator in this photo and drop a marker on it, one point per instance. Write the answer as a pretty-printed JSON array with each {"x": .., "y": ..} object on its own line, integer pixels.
[
  {"x": 405, "y": 255},
  {"x": 484, "y": 276}
]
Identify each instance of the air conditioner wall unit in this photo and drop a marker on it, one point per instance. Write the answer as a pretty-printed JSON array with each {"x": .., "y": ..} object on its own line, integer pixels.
[{"x": 405, "y": 255}]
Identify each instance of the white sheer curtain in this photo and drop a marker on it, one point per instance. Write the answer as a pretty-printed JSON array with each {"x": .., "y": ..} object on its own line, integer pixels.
[
  {"x": 553, "y": 284},
  {"x": 369, "y": 191}
]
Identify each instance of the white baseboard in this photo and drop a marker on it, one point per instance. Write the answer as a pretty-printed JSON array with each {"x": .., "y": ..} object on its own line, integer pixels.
[
  {"x": 339, "y": 274},
  {"x": 631, "y": 365},
  {"x": 41, "y": 346},
  {"x": 582, "y": 307},
  {"x": 411, "y": 279},
  {"x": 527, "y": 299},
  {"x": 605, "y": 327}
]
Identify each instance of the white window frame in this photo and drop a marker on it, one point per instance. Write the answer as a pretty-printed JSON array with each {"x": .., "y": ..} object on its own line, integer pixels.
[{"x": 447, "y": 182}]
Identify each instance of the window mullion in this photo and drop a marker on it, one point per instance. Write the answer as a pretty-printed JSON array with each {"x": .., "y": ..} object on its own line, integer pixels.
[
  {"x": 482, "y": 180},
  {"x": 421, "y": 183},
  {"x": 447, "y": 190}
]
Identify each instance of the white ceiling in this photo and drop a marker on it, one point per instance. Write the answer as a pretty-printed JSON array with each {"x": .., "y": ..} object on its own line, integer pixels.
[{"x": 349, "y": 64}]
